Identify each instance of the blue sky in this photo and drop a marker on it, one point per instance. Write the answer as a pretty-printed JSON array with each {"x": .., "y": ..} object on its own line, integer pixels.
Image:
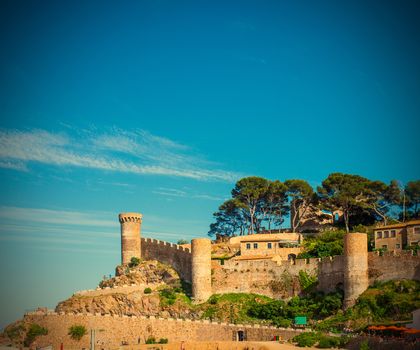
[{"x": 160, "y": 106}]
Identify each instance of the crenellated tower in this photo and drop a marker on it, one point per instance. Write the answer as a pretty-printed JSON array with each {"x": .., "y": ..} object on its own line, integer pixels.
[{"x": 130, "y": 236}]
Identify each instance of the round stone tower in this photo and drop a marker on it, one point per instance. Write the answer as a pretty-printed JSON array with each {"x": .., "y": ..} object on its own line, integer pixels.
[
  {"x": 356, "y": 278},
  {"x": 130, "y": 236},
  {"x": 201, "y": 269}
]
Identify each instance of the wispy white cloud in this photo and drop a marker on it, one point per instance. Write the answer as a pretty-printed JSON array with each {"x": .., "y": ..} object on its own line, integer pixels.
[
  {"x": 12, "y": 164},
  {"x": 173, "y": 192},
  {"x": 57, "y": 217},
  {"x": 75, "y": 229},
  {"x": 117, "y": 150}
]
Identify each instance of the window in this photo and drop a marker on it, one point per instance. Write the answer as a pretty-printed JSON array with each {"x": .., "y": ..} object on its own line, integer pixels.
[
  {"x": 417, "y": 230},
  {"x": 397, "y": 246},
  {"x": 279, "y": 245},
  {"x": 379, "y": 234},
  {"x": 386, "y": 234},
  {"x": 255, "y": 245},
  {"x": 269, "y": 245},
  {"x": 384, "y": 246},
  {"x": 392, "y": 233},
  {"x": 248, "y": 246}
]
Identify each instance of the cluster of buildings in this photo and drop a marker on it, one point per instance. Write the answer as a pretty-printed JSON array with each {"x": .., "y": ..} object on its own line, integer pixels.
[{"x": 397, "y": 236}]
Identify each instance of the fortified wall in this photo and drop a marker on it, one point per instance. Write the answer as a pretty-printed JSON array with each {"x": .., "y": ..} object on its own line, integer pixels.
[
  {"x": 168, "y": 253},
  {"x": 114, "y": 331},
  {"x": 354, "y": 271}
]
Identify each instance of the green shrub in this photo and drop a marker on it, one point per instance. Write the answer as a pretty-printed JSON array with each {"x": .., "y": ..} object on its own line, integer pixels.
[
  {"x": 163, "y": 341},
  {"x": 281, "y": 322},
  {"x": 306, "y": 339},
  {"x": 364, "y": 345},
  {"x": 182, "y": 241},
  {"x": 77, "y": 332},
  {"x": 167, "y": 296},
  {"x": 147, "y": 290},
  {"x": 34, "y": 331},
  {"x": 134, "y": 262},
  {"x": 326, "y": 342},
  {"x": 151, "y": 340}
]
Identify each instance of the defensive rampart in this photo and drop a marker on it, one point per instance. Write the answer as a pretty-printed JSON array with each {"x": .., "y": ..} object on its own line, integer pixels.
[
  {"x": 393, "y": 265},
  {"x": 114, "y": 331},
  {"x": 168, "y": 253},
  {"x": 278, "y": 279}
]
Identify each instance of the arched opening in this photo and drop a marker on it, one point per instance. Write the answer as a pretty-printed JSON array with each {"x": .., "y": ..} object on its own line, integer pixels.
[
  {"x": 240, "y": 336},
  {"x": 291, "y": 257}
]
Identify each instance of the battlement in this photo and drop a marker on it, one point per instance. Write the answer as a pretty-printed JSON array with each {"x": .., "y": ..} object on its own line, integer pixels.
[
  {"x": 152, "y": 241},
  {"x": 402, "y": 253},
  {"x": 168, "y": 253},
  {"x": 52, "y": 313},
  {"x": 130, "y": 217}
]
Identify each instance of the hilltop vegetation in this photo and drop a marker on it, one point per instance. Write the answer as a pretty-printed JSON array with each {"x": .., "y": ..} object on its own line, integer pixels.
[
  {"x": 258, "y": 204},
  {"x": 384, "y": 303}
]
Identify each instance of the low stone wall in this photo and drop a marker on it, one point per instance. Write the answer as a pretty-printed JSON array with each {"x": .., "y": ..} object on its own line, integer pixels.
[
  {"x": 114, "y": 331},
  {"x": 168, "y": 253}
]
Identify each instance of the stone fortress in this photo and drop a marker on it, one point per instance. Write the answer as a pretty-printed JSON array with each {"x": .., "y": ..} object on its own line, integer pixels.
[
  {"x": 274, "y": 275},
  {"x": 263, "y": 264}
]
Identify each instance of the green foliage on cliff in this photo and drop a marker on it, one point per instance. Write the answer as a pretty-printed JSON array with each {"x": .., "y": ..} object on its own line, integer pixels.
[
  {"x": 231, "y": 307},
  {"x": 77, "y": 332},
  {"x": 384, "y": 303},
  {"x": 34, "y": 331},
  {"x": 307, "y": 282}
]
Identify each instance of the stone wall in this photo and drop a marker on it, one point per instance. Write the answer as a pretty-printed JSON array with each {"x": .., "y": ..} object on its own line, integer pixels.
[
  {"x": 168, "y": 253},
  {"x": 266, "y": 276},
  {"x": 276, "y": 279},
  {"x": 393, "y": 265},
  {"x": 113, "y": 331},
  {"x": 331, "y": 273}
]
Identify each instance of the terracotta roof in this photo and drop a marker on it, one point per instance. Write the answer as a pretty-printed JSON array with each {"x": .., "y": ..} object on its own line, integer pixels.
[{"x": 399, "y": 225}]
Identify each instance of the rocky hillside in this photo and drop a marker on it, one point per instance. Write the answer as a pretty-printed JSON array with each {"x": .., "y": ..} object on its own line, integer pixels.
[{"x": 149, "y": 289}]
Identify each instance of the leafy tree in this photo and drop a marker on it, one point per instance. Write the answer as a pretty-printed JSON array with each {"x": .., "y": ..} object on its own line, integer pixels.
[
  {"x": 274, "y": 204},
  {"x": 345, "y": 192},
  {"x": 77, "y": 332},
  {"x": 301, "y": 197},
  {"x": 250, "y": 192},
  {"x": 329, "y": 243},
  {"x": 412, "y": 190},
  {"x": 382, "y": 197},
  {"x": 230, "y": 219}
]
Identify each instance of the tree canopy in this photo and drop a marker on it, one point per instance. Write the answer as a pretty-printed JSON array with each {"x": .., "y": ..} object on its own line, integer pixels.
[{"x": 259, "y": 204}]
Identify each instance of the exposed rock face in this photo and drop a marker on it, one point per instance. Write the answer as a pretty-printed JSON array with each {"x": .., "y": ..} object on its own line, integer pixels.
[
  {"x": 132, "y": 300},
  {"x": 147, "y": 272},
  {"x": 135, "y": 303}
]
